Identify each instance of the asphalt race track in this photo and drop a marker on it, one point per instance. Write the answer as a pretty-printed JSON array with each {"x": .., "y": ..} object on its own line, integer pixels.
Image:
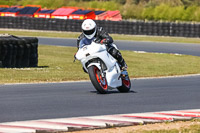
[
  {"x": 192, "y": 49},
  {"x": 62, "y": 100}
]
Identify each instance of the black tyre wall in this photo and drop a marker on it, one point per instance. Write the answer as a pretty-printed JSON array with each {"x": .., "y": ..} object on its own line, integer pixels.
[
  {"x": 116, "y": 27},
  {"x": 18, "y": 52}
]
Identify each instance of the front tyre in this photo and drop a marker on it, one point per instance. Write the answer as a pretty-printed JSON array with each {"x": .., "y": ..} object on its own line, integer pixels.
[
  {"x": 126, "y": 85},
  {"x": 97, "y": 80}
]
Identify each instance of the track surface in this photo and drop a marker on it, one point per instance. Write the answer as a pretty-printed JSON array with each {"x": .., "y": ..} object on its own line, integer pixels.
[
  {"x": 58, "y": 100},
  {"x": 42, "y": 101},
  {"x": 181, "y": 48}
]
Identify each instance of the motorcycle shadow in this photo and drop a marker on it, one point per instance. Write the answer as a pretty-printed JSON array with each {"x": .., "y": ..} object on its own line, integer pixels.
[{"x": 114, "y": 92}]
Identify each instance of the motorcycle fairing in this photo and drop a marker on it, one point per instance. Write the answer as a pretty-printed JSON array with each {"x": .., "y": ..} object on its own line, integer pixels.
[{"x": 97, "y": 51}]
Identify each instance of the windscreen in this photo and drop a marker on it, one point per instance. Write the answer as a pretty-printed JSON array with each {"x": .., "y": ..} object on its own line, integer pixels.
[{"x": 85, "y": 41}]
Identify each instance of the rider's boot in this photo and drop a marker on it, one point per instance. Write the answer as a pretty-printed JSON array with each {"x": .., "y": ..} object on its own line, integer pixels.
[{"x": 123, "y": 65}]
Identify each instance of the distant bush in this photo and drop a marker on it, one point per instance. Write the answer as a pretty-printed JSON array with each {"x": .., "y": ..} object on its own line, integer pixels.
[
  {"x": 176, "y": 13},
  {"x": 148, "y": 13},
  {"x": 8, "y": 2},
  {"x": 196, "y": 14},
  {"x": 189, "y": 13},
  {"x": 132, "y": 11},
  {"x": 107, "y": 5},
  {"x": 169, "y": 13},
  {"x": 161, "y": 12},
  {"x": 168, "y": 10}
]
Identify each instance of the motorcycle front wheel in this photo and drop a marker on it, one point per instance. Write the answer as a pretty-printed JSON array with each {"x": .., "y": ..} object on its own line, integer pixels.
[{"x": 98, "y": 81}]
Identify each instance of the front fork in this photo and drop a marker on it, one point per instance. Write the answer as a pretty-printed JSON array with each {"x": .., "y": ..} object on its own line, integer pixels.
[
  {"x": 103, "y": 74},
  {"x": 100, "y": 65}
]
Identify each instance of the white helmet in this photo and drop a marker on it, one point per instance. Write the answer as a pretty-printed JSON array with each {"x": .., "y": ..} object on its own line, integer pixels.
[{"x": 89, "y": 28}]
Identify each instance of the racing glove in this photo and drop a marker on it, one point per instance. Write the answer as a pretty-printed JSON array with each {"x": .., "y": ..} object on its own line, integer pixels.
[{"x": 104, "y": 41}]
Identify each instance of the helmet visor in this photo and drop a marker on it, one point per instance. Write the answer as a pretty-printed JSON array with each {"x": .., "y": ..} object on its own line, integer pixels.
[{"x": 89, "y": 32}]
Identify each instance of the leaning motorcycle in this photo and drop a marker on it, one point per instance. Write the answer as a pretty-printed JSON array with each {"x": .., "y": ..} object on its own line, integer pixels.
[{"x": 104, "y": 71}]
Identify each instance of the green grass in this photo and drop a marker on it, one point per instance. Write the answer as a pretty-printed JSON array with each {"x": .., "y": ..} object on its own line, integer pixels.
[
  {"x": 156, "y": 38},
  {"x": 56, "y": 64},
  {"x": 40, "y": 33},
  {"x": 115, "y": 36}
]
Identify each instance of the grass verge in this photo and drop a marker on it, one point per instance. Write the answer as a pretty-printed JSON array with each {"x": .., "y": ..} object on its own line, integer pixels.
[
  {"x": 56, "y": 64},
  {"x": 36, "y": 33}
]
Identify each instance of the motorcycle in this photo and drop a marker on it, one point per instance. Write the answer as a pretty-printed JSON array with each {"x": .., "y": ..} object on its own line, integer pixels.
[{"x": 104, "y": 70}]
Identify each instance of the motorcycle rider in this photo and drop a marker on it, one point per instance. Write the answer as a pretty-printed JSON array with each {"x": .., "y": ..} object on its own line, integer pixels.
[{"x": 90, "y": 31}]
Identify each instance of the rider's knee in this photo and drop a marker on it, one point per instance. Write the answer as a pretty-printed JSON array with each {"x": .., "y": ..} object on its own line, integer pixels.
[{"x": 113, "y": 51}]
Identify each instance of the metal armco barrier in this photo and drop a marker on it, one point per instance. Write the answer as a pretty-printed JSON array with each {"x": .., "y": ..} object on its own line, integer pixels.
[
  {"x": 18, "y": 52},
  {"x": 117, "y": 27}
]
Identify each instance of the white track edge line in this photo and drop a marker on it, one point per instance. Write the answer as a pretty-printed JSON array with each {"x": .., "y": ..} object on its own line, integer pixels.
[{"x": 139, "y": 78}]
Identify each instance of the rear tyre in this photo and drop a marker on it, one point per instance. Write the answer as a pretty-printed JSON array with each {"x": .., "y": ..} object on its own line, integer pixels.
[
  {"x": 97, "y": 80},
  {"x": 126, "y": 85}
]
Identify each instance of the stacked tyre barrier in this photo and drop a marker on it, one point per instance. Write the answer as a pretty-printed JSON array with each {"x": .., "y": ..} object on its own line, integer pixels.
[
  {"x": 18, "y": 52},
  {"x": 116, "y": 27}
]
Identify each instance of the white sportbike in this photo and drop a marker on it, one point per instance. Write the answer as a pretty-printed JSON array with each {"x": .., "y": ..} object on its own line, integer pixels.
[{"x": 104, "y": 71}]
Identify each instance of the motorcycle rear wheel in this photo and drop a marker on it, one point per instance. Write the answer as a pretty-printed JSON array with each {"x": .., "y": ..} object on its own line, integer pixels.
[
  {"x": 126, "y": 85},
  {"x": 99, "y": 82}
]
